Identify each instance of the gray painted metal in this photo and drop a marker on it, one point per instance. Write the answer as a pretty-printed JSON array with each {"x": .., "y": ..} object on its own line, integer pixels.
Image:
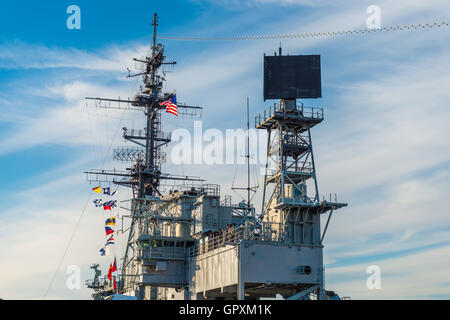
[{"x": 303, "y": 293}]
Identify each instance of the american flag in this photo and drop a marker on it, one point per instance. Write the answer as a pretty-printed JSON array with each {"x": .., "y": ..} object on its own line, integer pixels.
[{"x": 171, "y": 106}]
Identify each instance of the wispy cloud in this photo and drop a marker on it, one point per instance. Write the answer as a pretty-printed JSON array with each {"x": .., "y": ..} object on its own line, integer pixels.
[
  {"x": 19, "y": 55},
  {"x": 245, "y": 4},
  {"x": 416, "y": 276},
  {"x": 383, "y": 145}
]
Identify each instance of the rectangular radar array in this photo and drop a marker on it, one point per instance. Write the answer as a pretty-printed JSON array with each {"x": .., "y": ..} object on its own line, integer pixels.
[{"x": 292, "y": 77}]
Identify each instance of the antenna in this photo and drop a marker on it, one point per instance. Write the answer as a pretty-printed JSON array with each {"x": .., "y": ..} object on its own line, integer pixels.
[
  {"x": 249, "y": 188},
  {"x": 248, "y": 155},
  {"x": 154, "y": 24}
]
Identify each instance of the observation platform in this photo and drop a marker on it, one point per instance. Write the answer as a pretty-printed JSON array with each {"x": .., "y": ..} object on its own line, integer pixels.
[
  {"x": 301, "y": 118},
  {"x": 321, "y": 207},
  {"x": 295, "y": 174}
]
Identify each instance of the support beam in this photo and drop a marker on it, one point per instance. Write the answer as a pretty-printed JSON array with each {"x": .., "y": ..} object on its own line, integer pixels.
[
  {"x": 326, "y": 226},
  {"x": 241, "y": 284},
  {"x": 303, "y": 293}
]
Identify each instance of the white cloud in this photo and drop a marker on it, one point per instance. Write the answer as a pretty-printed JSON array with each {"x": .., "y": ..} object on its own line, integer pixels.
[
  {"x": 386, "y": 131},
  {"x": 19, "y": 55},
  {"x": 415, "y": 276},
  {"x": 245, "y": 4},
  {"x": 71, "y": 121},
  {"x": 33, "y": 245},
  {"x": 395, "y": 124}
]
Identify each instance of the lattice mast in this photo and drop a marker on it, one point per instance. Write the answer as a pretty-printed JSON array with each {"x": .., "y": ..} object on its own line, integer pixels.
[
  {"x": 146, "y": 173},
  {"x": 144, "y": 176},
  {"x": 290, "y": 167}
]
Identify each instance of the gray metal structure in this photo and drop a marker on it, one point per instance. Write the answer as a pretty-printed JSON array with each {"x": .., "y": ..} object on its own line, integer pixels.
[{"x": 189, "y": 243}]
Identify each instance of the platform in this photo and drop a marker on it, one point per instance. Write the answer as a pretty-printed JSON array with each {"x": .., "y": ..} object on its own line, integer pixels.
[{"x": 300, "y": 118}]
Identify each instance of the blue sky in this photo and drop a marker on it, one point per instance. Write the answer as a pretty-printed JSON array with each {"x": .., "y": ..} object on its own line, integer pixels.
[{"x": 383, "y": 146}]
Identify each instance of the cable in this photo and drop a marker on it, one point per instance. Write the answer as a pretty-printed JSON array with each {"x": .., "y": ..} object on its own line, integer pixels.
[
  {"x": 67, "y": 247},
  {"x": 85, "y": 205},
  {"x": 310, "y": 35},
  {"x": 82, "y": 213}
]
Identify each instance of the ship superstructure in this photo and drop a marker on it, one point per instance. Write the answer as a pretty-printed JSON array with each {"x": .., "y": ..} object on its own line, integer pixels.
[{"x": 189, "y": 242}]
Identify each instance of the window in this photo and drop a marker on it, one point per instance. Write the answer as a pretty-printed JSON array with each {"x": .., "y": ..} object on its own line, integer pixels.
[
  {"x": 149, "y": 269},
  {"x": 142, "y": 243},
  {"x": 168, "y": 243},
  {"x": 179, "y": 244},
  {"x": 156, "y": 243}
]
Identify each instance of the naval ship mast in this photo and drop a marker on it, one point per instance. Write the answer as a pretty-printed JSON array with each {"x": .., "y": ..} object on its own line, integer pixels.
[{"x": 145, "y": 176}]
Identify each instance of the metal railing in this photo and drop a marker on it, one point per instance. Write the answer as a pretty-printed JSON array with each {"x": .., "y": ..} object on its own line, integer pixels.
[
  {"x": 102, "y": 283},
  {"x": 135, "y": 132},
  {"x": 218, "y": 240},
  {"x": 226, "y": 201},
  {"x": 301, "y": 200},
  {"x": 301, "y": 167},
  {"x": 264, "y": 231},
  {"x": 197, "y": 188},
  {"x": 142, "y": 133},
  {"x": 276, "y": 109},
  {"x": 304, "y": 168},
  {"x": 151, "y": 252},
  {"x": 296, "y": 141}
]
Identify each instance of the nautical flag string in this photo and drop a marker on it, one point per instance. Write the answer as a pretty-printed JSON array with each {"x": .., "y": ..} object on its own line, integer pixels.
[
  {"x": 106, "y": 190},
  {"x": 104, "y": 251},
  {"x": 97, "y": 189},
  {"x": 110, "y": 241},
  {"x": 109, "y": 231},
  {"x": 114, "y": 267},
  {"x": 110, "y": 272},
  {"x": 110, "y": 221},
  {"x": 108, "y": 205},
  {"x": 98, "y": 203},
  {"x": 411, "y": 27}
]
